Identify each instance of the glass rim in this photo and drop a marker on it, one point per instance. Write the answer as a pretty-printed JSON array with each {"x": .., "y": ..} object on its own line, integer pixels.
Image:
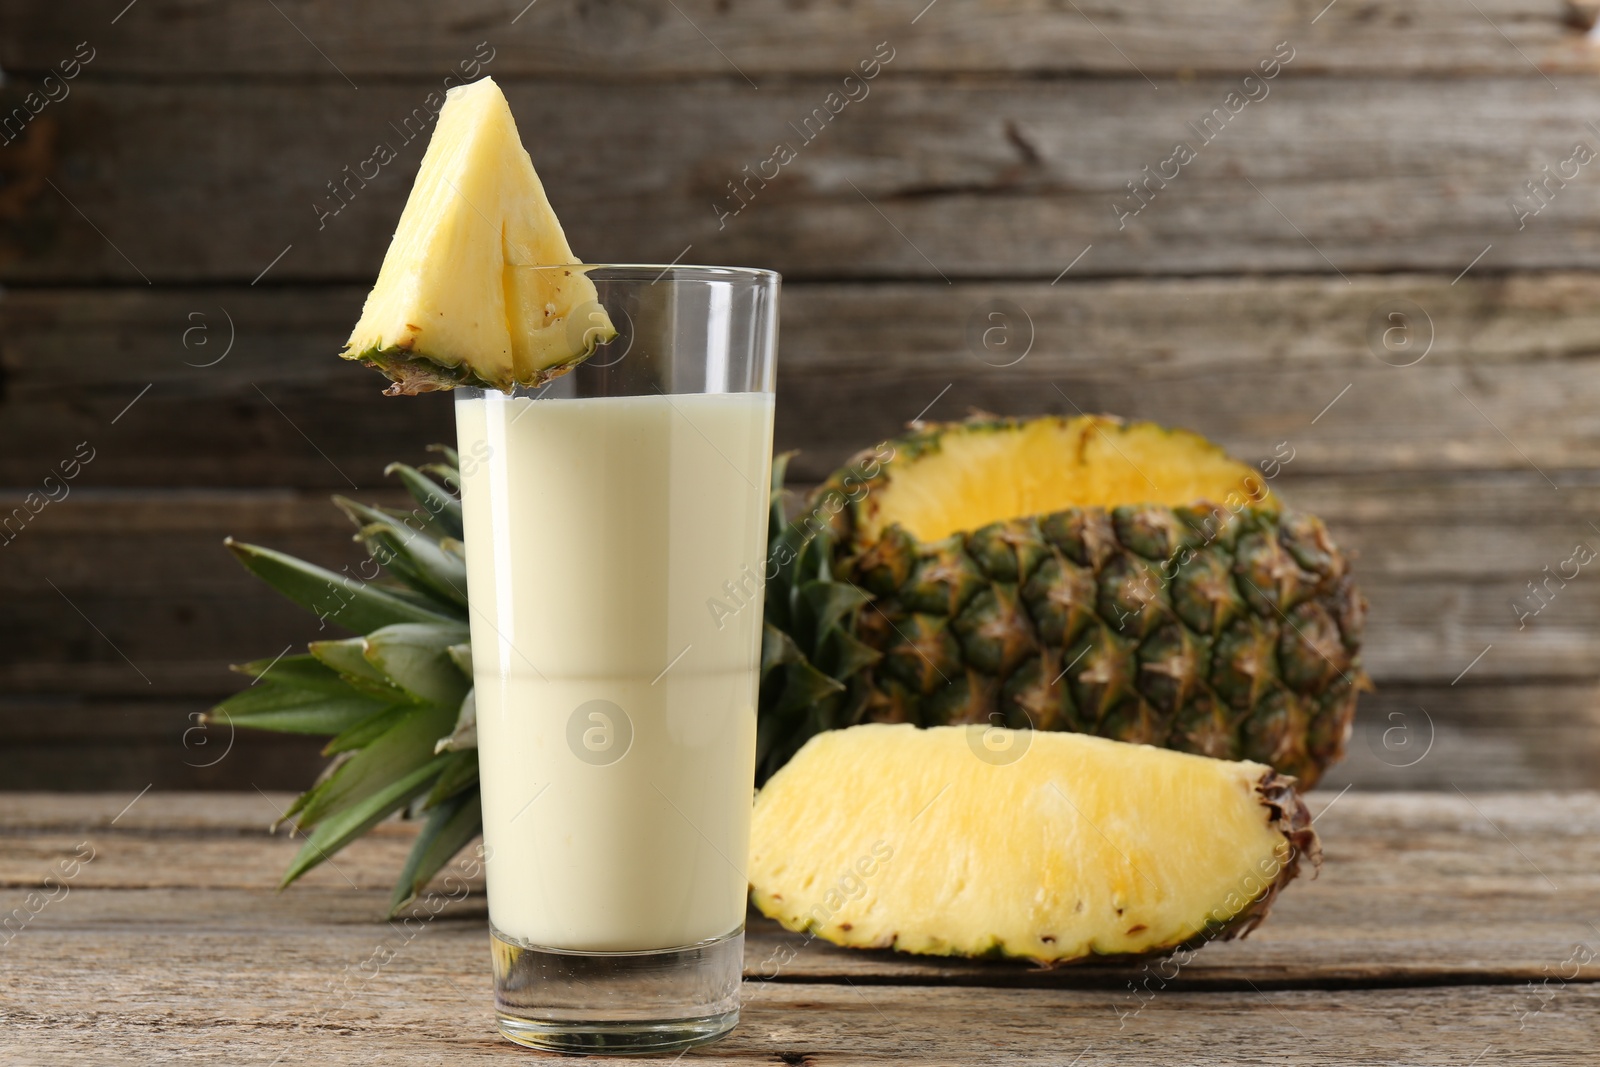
[{"x": 662, "y": 270}]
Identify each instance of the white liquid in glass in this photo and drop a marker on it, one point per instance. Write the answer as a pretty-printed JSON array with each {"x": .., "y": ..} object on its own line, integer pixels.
[{"x": 616, "y": 700}]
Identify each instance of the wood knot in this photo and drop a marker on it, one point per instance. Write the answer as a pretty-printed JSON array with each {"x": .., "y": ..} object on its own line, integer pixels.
[{"x": 26, "y": 162}]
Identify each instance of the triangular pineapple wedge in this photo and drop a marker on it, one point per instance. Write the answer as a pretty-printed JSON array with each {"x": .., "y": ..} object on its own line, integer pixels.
[{"x": 454, "y": 303}]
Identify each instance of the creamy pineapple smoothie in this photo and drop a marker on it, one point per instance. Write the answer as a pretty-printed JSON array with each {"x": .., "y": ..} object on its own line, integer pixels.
[{"x": 616, "y": 709}]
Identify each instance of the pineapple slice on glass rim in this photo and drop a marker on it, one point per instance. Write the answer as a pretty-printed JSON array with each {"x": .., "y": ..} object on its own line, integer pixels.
[{"x": 453, "y": 304}]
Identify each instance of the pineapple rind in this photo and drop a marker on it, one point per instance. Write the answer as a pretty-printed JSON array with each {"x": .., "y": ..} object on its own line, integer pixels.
[
  {"x": 967, "y": 864},
  {"x": 411, "y": 374}
]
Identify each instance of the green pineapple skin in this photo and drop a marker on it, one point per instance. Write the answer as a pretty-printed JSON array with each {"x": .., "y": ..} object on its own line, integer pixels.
[
  {"x": 1253, "y": 663},
  {"x": 1228, "y": 632}
]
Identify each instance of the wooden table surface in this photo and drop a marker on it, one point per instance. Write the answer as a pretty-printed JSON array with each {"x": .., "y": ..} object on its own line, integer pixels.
[{"x": 1445, "y": 928}]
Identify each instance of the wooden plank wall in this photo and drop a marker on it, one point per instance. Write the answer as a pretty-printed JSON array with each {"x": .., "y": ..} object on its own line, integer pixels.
[{"x": 179, "y": 270}]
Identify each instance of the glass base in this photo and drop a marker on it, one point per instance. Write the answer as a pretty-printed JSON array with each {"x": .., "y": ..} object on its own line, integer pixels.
[{"x": 619, "y": 1003}]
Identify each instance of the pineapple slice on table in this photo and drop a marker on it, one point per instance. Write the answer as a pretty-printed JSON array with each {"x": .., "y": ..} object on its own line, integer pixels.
[
  {"x": 454, "y": 304},
  {"x": 974, "y": 841}
]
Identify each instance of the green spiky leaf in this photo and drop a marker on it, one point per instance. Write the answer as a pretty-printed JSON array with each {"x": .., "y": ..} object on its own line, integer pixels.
[
  {"x": 407, "y": 744},
  {"x": 777, "y": 648},
  {"x": 408, "y": 547},
  {"x": 302, "y": 671},
  {"x": 361, "y": 734},
  {"x": 830, "y": 602},
  {"x": 451, "y": 456},
  {"x": 416, "y": 657},
  {"x": 349, "y": 823},
  {"x": 443, "y": 509},
  {"x": 460, "y": 774},
  {"x": 451, "y": 826},
  {"x": 804, "y": 685},
  {"x": 444, "y": 474},
  {"x": 843, "y": 654},
  {"x": 412, "y": 518},
  {"x": 780, "y": 468},
  {"x": 400, "y": 560},
  {"x": 465, "y": 735},
  {"x": 348, "y": 657},
  {"x": 288, "y": 709},
  {"x": 359, "y": 606}
]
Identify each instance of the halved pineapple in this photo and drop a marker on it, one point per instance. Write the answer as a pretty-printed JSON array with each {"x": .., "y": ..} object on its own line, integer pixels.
[
  {"x": 1082, "y": 574},
  {"x": 975, "y": 841},
  {"x": 454, "y": 303}
]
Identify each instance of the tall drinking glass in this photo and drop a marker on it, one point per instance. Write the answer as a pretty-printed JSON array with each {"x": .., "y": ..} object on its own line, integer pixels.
[{"x": 616, "y": 525}]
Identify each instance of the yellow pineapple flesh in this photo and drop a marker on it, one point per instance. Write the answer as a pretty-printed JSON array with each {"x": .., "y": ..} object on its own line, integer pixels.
[
  {"x": 1011, "y": 469},
  {"x": 455, "y": 302},
  {"x": 1053, "y": 846}
]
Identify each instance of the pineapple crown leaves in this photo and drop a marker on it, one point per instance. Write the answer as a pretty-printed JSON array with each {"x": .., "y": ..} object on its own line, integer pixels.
[
  {"x": 808, "y": 652},
  {"x": 353, "y": 604},
  {"x": 396, "y": 703},
  {"x": 443, "y": 507},
  {"x": 435, "y": 566}
]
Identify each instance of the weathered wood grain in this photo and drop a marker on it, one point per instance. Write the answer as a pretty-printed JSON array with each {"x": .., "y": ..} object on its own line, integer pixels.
[
  {"x": 1357, "y": 961},
  {"x": 981, "y": 178},
  {"x": 1510, "y": 735},
  {"x": 403, "y": 1018},
  {"x": 169, "y": 38},
  {"x": 1508, "y": 383},
  {"x": 1325, "y": 941},
  {"x": 72, "y": 742},
  {"x": 240, "y": 811},
  {"x": 231, "y": 387},
  {"x": 1517, "y": 734}
]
